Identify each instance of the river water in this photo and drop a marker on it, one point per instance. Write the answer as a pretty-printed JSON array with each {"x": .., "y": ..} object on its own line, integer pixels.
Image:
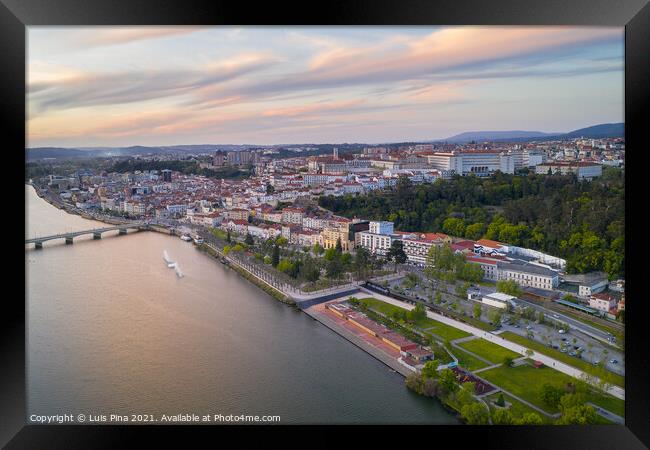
[{"x": 112, "y": 330}]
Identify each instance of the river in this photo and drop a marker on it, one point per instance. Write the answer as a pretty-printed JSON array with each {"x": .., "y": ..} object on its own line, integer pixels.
[{"x": 112, "y": 330}]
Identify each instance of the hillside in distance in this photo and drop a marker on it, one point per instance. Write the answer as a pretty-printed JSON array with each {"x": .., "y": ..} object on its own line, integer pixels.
[{"x": 495, "y": 135}]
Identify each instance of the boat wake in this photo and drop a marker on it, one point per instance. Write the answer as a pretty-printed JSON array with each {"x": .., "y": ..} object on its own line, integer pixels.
[
  {"x": 167, "y": 258},
  {"x": 172, "y": 264}
]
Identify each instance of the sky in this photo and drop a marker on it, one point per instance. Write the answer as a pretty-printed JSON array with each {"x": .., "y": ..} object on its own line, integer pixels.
[{"x": 123, "y": 86}]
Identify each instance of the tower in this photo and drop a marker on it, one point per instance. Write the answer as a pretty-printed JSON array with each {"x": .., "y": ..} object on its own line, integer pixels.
[{"x": 335, "y": 152}]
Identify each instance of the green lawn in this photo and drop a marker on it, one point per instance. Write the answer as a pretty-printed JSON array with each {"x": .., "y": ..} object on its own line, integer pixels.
[
  {"x": 526, "y": 381},
  {"x": 488, "y": 350},
  {"x": 564, "y": 357},
  {"x": 517, "y": 408},
  {"x": 468, "y": 361},
  {"x": 440, "y": 329}
]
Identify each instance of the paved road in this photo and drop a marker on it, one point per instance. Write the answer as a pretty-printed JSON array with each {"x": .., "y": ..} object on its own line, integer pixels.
[{"x": 616, "y": 391}]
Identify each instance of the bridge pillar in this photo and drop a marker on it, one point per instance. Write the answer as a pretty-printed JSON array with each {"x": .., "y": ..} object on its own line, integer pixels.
[
  {"x": 122, "y": 231},
  {"x": 97, "y": 235},
  {"x": 68, "y": 240},
  {"x": 38, "y": 245}
]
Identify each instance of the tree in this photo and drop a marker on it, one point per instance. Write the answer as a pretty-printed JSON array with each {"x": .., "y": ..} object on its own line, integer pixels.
[
  {"x": 269, "y": 189},
  {"x": 575, "y": 411},
  {"x": 454, "y": 226},
  {"x": 396, "y": 253},
  {"x": 249, "y": 239},
  {"x": 430, "y": 387},
  {"x": 507, "y": 361},
  {"x": 318, "y": 249},
  {"x": 275, "y": 256},
  {"x": 530, "y": 419},
  {"x": 285, "y": 266},
  {"x": 551, "y": 395},
  {"x": 331, "y": 254},
  {"x": 438, "y": 299},
  {"x": 502, "y": 417},
  {"x": 334, "y": 268},
  {"x": 509, "y": 287},
  {"x": 430, "y": 370},
  {"x": 500, "y": 400},
  {"x": 495, "y": 316},
  {"x": 448, "y": 380},
  {"x": 361, "y": 261},
  {"x": 417, "y": 313},
  {"x": 339, "y": 247},
  {"x": 475, "y": 414},
  {"x": 309, "y": 271},
  {"x": 414, "y": 382},
  {"x": 228, "y": 238},
  {"x": 477, "y": 311}
]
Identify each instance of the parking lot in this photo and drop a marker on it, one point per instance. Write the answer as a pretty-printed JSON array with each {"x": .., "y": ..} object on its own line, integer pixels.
[{"x": 569, "y": 340}]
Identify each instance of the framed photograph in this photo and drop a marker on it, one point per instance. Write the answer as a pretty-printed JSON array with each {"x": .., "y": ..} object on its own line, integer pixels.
[{"x": 351, "y": 213}]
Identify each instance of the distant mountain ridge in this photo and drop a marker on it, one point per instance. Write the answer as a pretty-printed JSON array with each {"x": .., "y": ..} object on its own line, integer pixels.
[
  {"x": 494, "y": 135},
  {"x": 593, "y": 132}
]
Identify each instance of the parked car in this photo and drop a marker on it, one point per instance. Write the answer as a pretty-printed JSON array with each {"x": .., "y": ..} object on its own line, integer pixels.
[
  {"x": 563, "y": 350},
  {"x": 529, "y": 327},
  {"x": 572, "y": 353},
  {"x": 561, "y": 331},
  {"x": 596, "y": 362},
  {"x": 556, "y": 316},
  {"x": 613, "y": 361}
]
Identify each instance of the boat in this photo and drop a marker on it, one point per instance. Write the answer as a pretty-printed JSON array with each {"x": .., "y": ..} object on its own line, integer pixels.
[
  {"x": 186, "y": 238},
  {"x": 179, "y": 274},
  {"x": 171, "y": 265},
  {"x": 167, "y": 258},
  {"x": 198, "y": 240}
]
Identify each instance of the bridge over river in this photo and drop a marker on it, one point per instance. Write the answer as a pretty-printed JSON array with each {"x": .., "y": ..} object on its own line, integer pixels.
[{"x": 96, "y": 232}]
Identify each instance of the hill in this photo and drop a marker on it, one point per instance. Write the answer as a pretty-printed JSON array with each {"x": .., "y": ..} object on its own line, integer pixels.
[
  {"x": 480, "y": 136},
  {"x": 594, "y": 132}
]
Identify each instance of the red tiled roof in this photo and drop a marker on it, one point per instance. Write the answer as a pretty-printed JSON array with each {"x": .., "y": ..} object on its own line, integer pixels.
[{"x": 489, "y": 243}]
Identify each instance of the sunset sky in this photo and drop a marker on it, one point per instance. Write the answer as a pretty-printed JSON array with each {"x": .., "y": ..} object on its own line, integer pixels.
[{"x": 122, "y": 86}]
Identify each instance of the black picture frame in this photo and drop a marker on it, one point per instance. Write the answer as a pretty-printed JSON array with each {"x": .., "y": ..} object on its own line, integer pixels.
[{"x": 16, "y": 15}]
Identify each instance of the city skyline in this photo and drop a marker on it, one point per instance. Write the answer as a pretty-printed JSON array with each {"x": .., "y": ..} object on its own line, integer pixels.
[{"x": 116, "y": 86}]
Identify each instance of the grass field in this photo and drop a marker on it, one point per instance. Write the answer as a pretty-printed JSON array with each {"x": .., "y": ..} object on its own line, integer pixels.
[
  {"x": 526, "y": 381},
  {"x": 488, "y": 350},
  {"x": 517, "y": 408},
  {"x": 467, "y": 361},
  {"x": 427, "y": 325},
  {"x": 564, "y": 357}
]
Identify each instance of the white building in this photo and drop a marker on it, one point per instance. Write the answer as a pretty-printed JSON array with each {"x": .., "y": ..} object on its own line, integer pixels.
[
  {"x": 498, "y": 300},
  {"x": 377, "y": 244},
  {"x": 582, "y": 169},
  {"x": 602, "y": 302},
  {"x": 488, "y": 265},
  {"x": 380, "y": 227},
  {"x": 528, "y": 275}
]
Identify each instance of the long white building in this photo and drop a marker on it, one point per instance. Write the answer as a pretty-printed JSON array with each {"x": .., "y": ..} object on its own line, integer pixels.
[{"x": 478, "y": 162}]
